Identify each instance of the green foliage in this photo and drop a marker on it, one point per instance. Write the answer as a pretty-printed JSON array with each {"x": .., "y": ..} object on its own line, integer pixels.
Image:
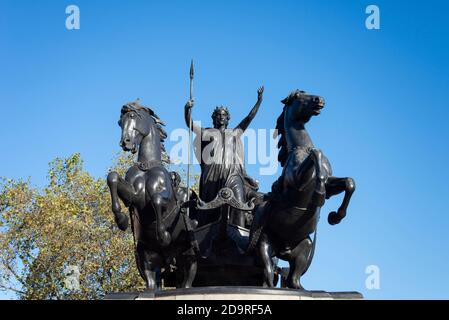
[{"x": 44, "y": 233}]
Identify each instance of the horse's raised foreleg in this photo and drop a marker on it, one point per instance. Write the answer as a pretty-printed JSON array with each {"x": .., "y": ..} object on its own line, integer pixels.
[
  {"x": 114, "y": 180},
  {"x": 264, "y": 252},
  {"x": 299, "y": 263},
  {"x": 127, "y": 192},
  {"x": 335, "y": 186}
]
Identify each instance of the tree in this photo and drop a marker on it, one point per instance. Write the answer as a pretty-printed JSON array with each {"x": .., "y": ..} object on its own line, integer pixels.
[{"x": 61, "y": 242}]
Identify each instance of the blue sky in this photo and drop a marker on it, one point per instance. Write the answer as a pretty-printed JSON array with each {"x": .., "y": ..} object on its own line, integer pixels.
[{"x": 384, "y": 123}]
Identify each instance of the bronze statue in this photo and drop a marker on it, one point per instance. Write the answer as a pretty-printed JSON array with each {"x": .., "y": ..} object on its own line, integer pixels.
[
  {"x": 230, "y": 233},
  {"x": 220, "y": 153},
  {"x": 283, "y": 225},
  {"x": 161, "y": 229}
]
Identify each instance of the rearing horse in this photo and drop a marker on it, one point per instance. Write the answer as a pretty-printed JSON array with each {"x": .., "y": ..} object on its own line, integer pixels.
[
  {"x": 283, "y": 224},
  {"x": 160, "y": 229}
]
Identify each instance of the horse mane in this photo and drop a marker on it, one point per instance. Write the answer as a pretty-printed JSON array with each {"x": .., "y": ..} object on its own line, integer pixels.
[
  {"x": 136, "y": 106},
  {"x": 280, "y": 128}
]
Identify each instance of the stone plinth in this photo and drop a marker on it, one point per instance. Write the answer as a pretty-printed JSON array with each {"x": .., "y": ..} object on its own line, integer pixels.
[{"x": 235, "y": 293}]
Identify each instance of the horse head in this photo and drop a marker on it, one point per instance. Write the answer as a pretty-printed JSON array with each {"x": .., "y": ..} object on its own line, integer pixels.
[
  {"x": 305, "y": 105},
  {"x": 135, "y": 121}
]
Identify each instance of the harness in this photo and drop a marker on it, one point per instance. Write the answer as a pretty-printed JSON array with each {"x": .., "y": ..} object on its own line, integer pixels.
[{"x": 147, "y": 165}]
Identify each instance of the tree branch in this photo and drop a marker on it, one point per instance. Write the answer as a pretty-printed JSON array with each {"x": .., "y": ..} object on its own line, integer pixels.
[
  {"x": 12, "y": 271},
  {"x": 5, "y": 288}
]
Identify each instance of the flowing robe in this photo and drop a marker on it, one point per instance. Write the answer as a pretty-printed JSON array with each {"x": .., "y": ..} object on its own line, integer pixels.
[{"x": 221, "y": 156}]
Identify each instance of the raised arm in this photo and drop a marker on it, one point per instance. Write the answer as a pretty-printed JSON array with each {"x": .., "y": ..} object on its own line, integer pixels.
[
  {"x": 247, "y": 120},
  {"x": 188, "y": 117}
]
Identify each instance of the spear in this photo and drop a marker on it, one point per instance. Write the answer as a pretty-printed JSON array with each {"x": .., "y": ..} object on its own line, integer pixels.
[
  {"x": 191, "y": 234},
  {"x": 192, "y": 74}
]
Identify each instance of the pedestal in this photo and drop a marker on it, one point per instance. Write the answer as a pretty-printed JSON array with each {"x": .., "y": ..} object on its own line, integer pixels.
[{"x": 235, "y": 293}]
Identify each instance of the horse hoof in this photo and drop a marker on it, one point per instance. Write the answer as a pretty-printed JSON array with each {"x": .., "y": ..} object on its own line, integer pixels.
[
  {"x": 268, "y": 285},
  {"x": 333, "y": 218},
  {"x": 122, "y": 221},
  {"x": 295, "y": 286}
]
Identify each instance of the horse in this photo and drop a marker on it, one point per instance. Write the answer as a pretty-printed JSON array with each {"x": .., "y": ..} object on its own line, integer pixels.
[
  {"x": 284, "y": 223},
  {"x": 160, "y": 227}
]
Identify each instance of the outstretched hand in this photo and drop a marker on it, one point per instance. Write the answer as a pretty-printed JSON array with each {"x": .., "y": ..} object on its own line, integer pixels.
[{"x": 260, "y": 92}]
